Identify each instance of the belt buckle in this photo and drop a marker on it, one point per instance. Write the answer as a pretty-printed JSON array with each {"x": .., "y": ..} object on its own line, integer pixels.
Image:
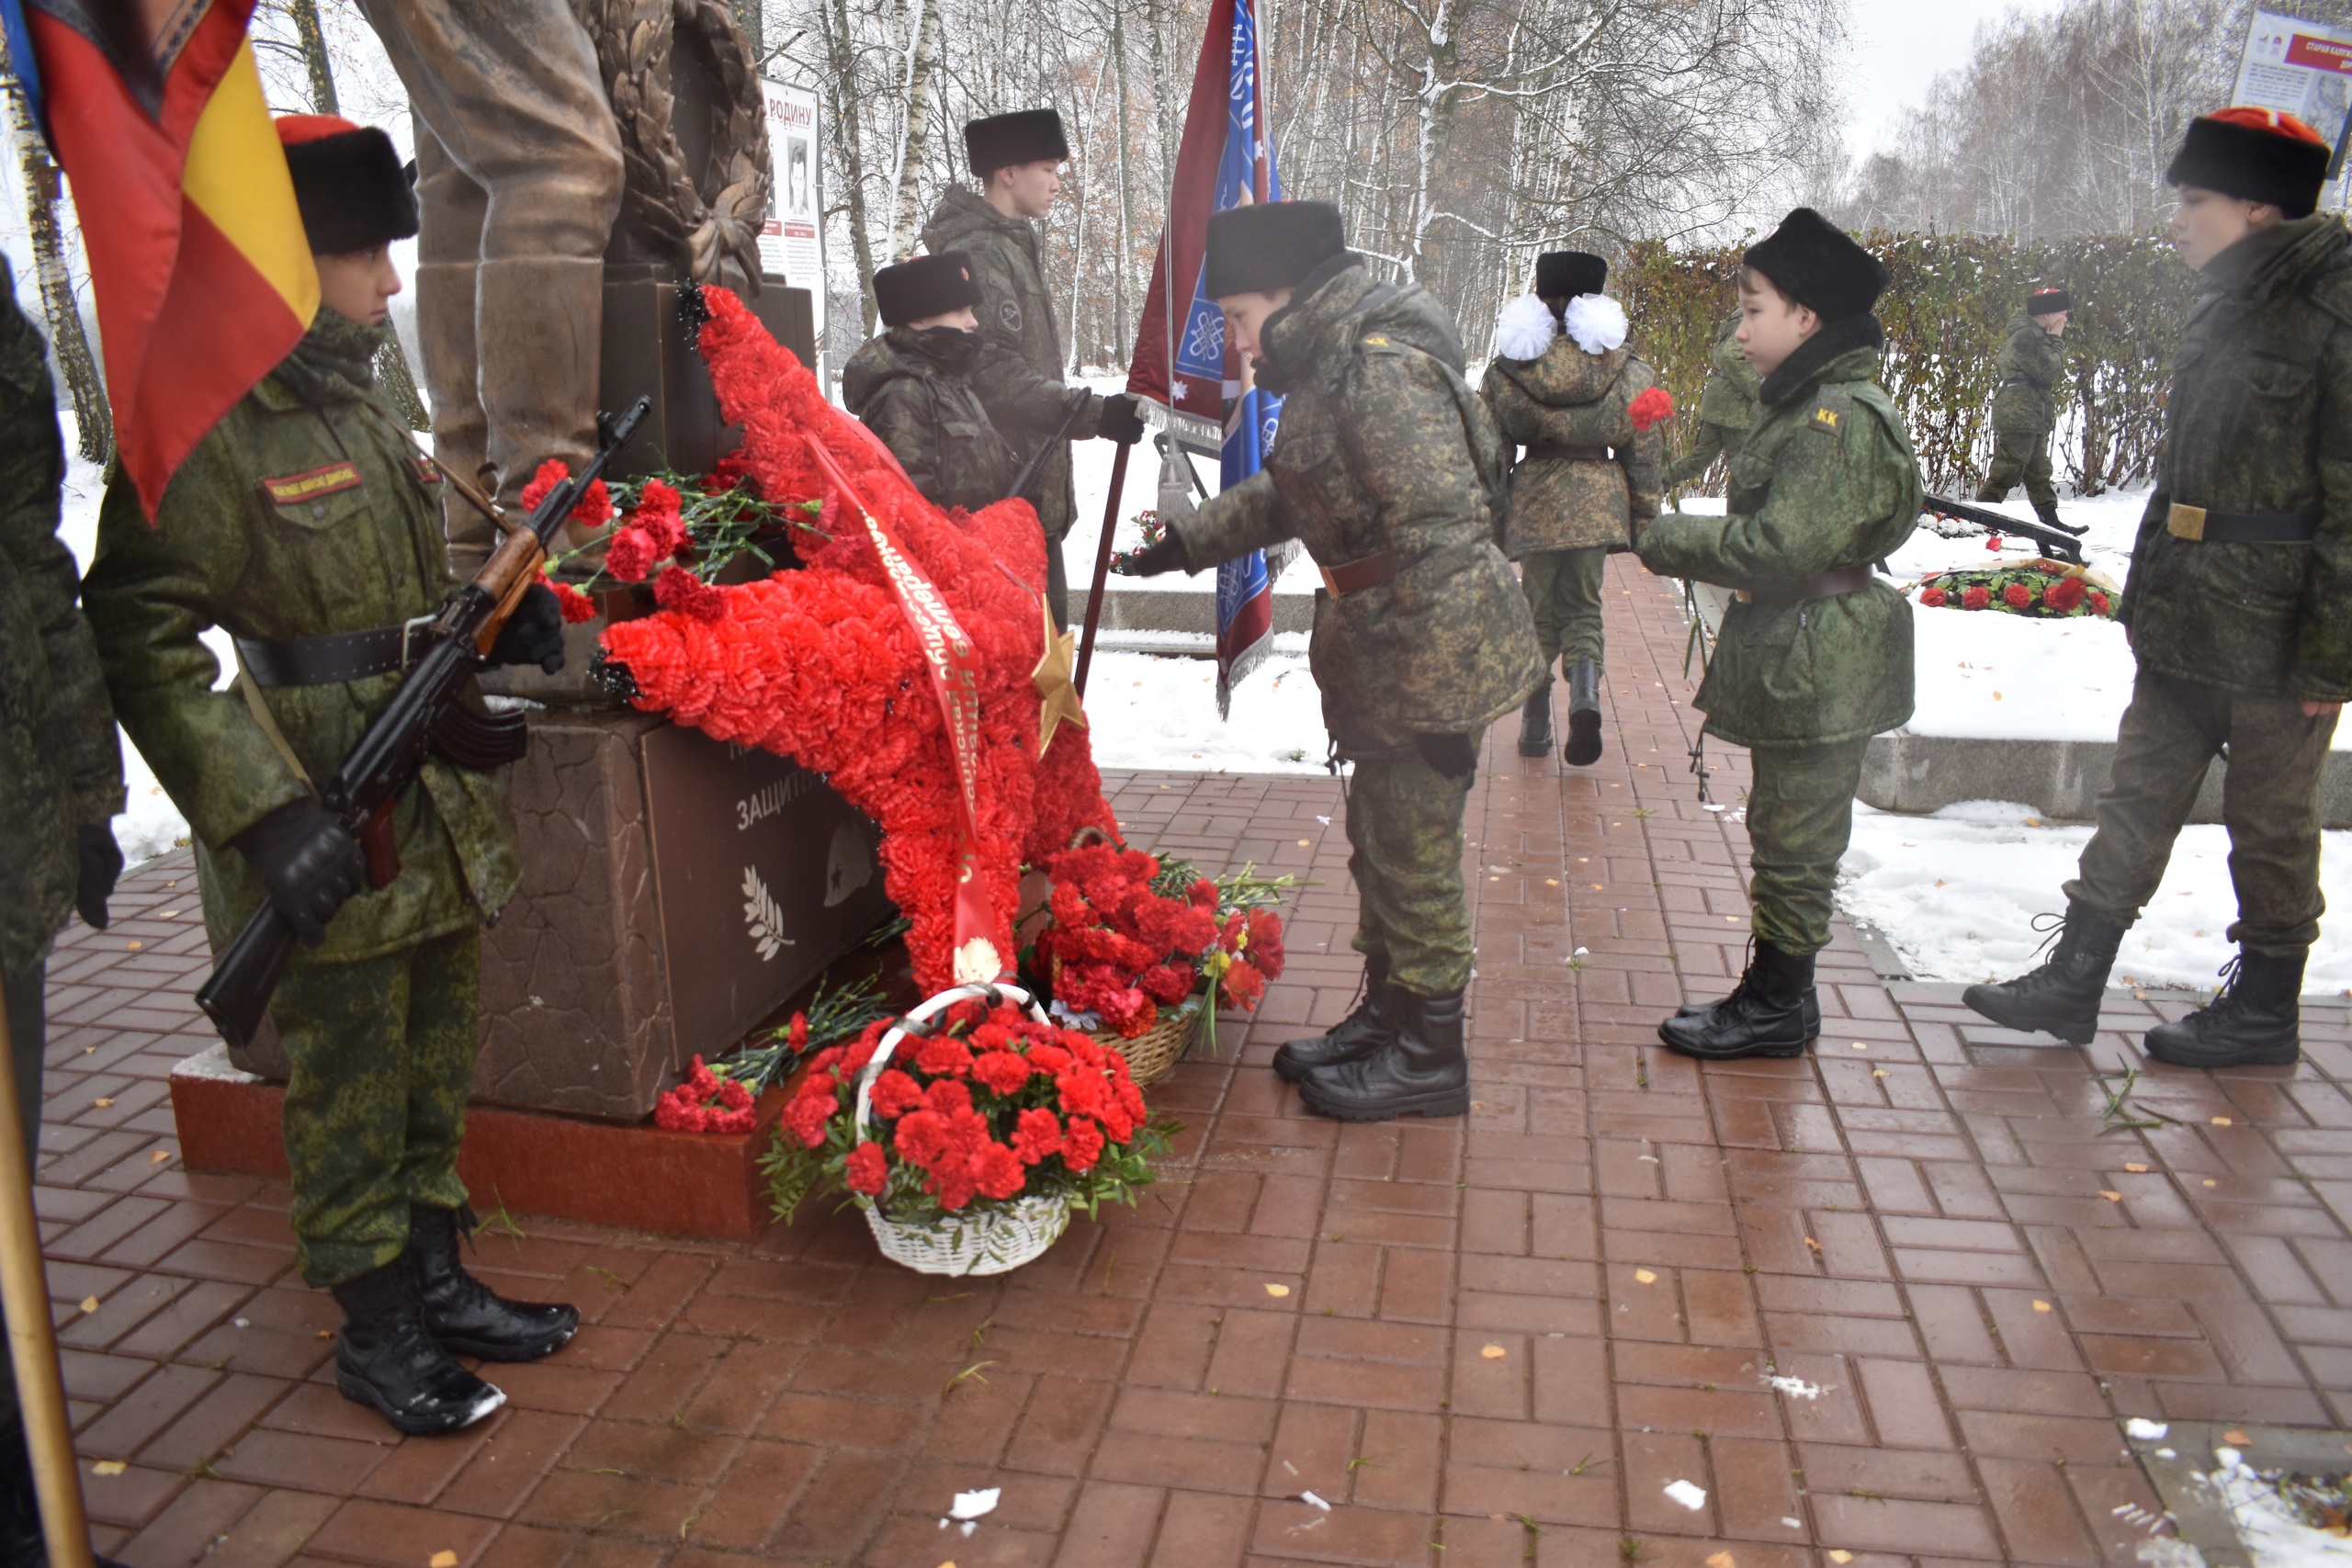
[
  {"x": 2186, "y": 522},
  {"x": 408, "y": 633}
]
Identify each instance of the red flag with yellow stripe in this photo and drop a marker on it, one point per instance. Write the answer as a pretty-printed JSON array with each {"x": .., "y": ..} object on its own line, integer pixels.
[{"x": 198, "y": 258}]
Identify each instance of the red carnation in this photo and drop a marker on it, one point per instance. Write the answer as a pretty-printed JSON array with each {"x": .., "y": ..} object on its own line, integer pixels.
[
  {"x": 1167, "y": 984},
  {"x": 2099, "y": 601},
  {"x": 1652, "y": 406},
  {"x": 1975, "y": 597},
  {"x": 944, "y": 1056},
  {"x": 658, "y": 516},
  {"x": 1002, "y": 1071},
  {"x": 1203, "y": 895},
  {"x": 922, "y": 1137},
  {"x": 576, "y": 607},
  {"x": 953, "y": 1184},
  {"x": 1244, "y": 985},
  {"x": 680, "y": 590},
  {"x": 806, "y": 1118},
  {"x": 1037, "y": 1136},
  {"x": 1081, "y": 1144},
  {"x": 594, "y": 507},
  {"x": 998, "y": 1172},
  {"x": 2018, "y": 596},
  {"x": 629, "y": 555},
  {"x": 1934, "y": 596},
  {"x": 1266, "y": 942},
  {"x": 2065, "y": 594},
  {"x": 867, "y": 1171},
  {"x": 948, "y": 1096},
  {"x": 1994, "y": 542},
  {"x": 895, "y": 1094}
]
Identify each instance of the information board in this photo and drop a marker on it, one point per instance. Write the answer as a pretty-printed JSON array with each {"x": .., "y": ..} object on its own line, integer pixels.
[{"x": 792, "y": 240}]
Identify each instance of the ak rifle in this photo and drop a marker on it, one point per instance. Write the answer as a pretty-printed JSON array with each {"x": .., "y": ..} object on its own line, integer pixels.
[
  {"x": 2061, "y": 543},
  {"x": 384, "y": 762}
]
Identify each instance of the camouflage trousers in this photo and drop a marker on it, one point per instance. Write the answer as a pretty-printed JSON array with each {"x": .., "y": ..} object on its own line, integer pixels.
[
  {"x": 1405, "y": 826},
  {"x": 1714, "y": 441},
  {"x": 1800, "y": 818},
  {"x": 1563, "y": 589},
  {"x": 2021, "y": 456},
  {"x": 28, "y": 1038},
  {"x": 2270, "y": 802},
  {"x": 382, "y": 1056}
]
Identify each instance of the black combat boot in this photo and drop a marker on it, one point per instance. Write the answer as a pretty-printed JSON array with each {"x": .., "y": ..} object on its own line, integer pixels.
[
  {"x": 2253, "y": 1022},
  {"x": 384, "y": 1357},
  {"x": 2061, "y": 997},
  {"x": 1535, "y": 722},
  {"x": 1583, "y": 749},
  {"x": 1772, "y": 1012},
  {"x": 468, "y": 1316},
  {"x": 1811, "y": 1002},
  {"x": 1362, "y": 1032},
  {"x": 1421, "y": 1072}
]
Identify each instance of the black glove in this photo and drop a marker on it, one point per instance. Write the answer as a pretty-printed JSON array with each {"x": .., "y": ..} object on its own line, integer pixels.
[
  {"x": 1153, "y": 559},
  {"x": 534, "y": 633},
  {"x": 1120, "y": 421},
  {"x": 308, "y": 864},
  {"x": 1455, "y": 756},
  {"x": 101, "y": 863}
]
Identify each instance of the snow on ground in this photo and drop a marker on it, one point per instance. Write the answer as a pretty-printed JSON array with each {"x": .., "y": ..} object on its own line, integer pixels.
[
  {"x": 1956, "y": 895},
  {"x": 2268, "y": 1524},
  {"x": 1159, "y": 712}
]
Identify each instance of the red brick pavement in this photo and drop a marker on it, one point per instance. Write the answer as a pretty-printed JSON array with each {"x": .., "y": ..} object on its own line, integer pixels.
[{"x": 1503, "y": 1339}]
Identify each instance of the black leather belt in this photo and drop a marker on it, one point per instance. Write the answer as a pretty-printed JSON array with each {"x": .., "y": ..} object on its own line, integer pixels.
[
  {"x": 1828, "y": 585},
  {"x": 1558, "y": 452},
  {"x": 322, "y": 661},
  {"x": 2241, "y": 527}
]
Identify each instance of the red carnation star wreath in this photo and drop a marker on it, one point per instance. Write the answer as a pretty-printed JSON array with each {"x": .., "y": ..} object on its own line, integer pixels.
[{"x": 842, "y": 667}]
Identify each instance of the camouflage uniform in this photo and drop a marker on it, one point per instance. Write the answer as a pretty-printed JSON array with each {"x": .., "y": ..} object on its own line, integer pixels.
[
  {"x": 305, "y": 512},
  {"x": 2233, "y": 637},
  {"x": 2025, "y": 411},
  {"x": 1726, "y": 407},
  {"x": 910, "y": 389},
  {"x": 1018, "y": 375},
  {"x": 1567, "y": 511},
  {"x": 60, "y": 768},
  {"x": 1384, "y": 451},
  {"x": 1824, "y": 482}
]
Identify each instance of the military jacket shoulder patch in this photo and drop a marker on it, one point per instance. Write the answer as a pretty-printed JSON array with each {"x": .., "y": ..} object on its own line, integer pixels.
[
  {"x": 1831, "y": 410},
  {"x": 1008, "y": 311},
  {"x": 428, "y": 472},
  {"x": 312, "y": 483}
]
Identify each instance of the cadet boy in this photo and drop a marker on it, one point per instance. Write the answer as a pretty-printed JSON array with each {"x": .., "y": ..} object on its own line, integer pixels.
[
  {"x": 1389, "y": 470},
  {"x": 1017, "y": 160},
  {"x": 2235, "y": 603},
  {"x": 910, "y": 385},
  {"x": 307, "y": 526},
  {"x": 1587, "y": 483},
  {"x": 61, "y": 782},
  {"x": 1726, "y": 407},
  {"x": 1815, "y": 654},
  {"x": 2025, "y": 405}
]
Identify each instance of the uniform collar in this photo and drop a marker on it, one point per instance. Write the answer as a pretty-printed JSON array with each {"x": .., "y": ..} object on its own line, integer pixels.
[{"x": 2271, "y": 262}]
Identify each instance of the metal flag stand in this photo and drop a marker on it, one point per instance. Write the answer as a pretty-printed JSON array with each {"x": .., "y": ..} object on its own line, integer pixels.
[{"x": 32, "y": 1347}]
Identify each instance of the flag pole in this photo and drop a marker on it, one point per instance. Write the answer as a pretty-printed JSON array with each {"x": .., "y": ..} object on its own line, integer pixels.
[
  {"x": 1101, "y": 571},
  {"x": 32, "y": 1346}
]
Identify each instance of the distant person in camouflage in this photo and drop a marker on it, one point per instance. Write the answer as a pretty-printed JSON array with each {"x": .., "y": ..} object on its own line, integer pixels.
[
  {"x": 2025, "y": 403},
  {"x": 911, "y": 385},
  {"x": 1727, "y": 407},
  {"x": 1560, "y": 384},
  {"x": 1814, "y": 657},
  {"x": 1389, "y": 470},
  {"x": 61, "y": 782},
  {"x": 308, "y": 527},
  {"x": 2235, "y": 604},
  {"x": 1017, "y": 160}
]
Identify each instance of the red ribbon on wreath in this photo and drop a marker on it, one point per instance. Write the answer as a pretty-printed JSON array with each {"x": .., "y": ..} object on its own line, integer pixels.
[{"x": 955, "y": 666}]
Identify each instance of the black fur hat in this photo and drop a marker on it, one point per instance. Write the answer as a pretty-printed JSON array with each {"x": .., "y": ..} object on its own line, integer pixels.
[
  {"x": 1818, "y": 265},
  {"x": 353, "y": 190},
  {"x": 2255, "y": 155},
  {"x": 1028, "y": 136},
  {"x": 923, "y": 286},
  {"x": 1263, "y": 247},
  {"x": 1563, "y": 274},
  {"x": 2048, "y": 302}
]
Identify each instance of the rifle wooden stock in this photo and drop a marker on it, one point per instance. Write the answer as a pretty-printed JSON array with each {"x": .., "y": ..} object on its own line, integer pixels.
[{"x": 384, "y": 761}]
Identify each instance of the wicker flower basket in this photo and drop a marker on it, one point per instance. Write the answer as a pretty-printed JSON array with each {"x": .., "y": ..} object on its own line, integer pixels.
[
  {"x": 979, "y": 1241},
  {"x": 1153, "y": 1054}
]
